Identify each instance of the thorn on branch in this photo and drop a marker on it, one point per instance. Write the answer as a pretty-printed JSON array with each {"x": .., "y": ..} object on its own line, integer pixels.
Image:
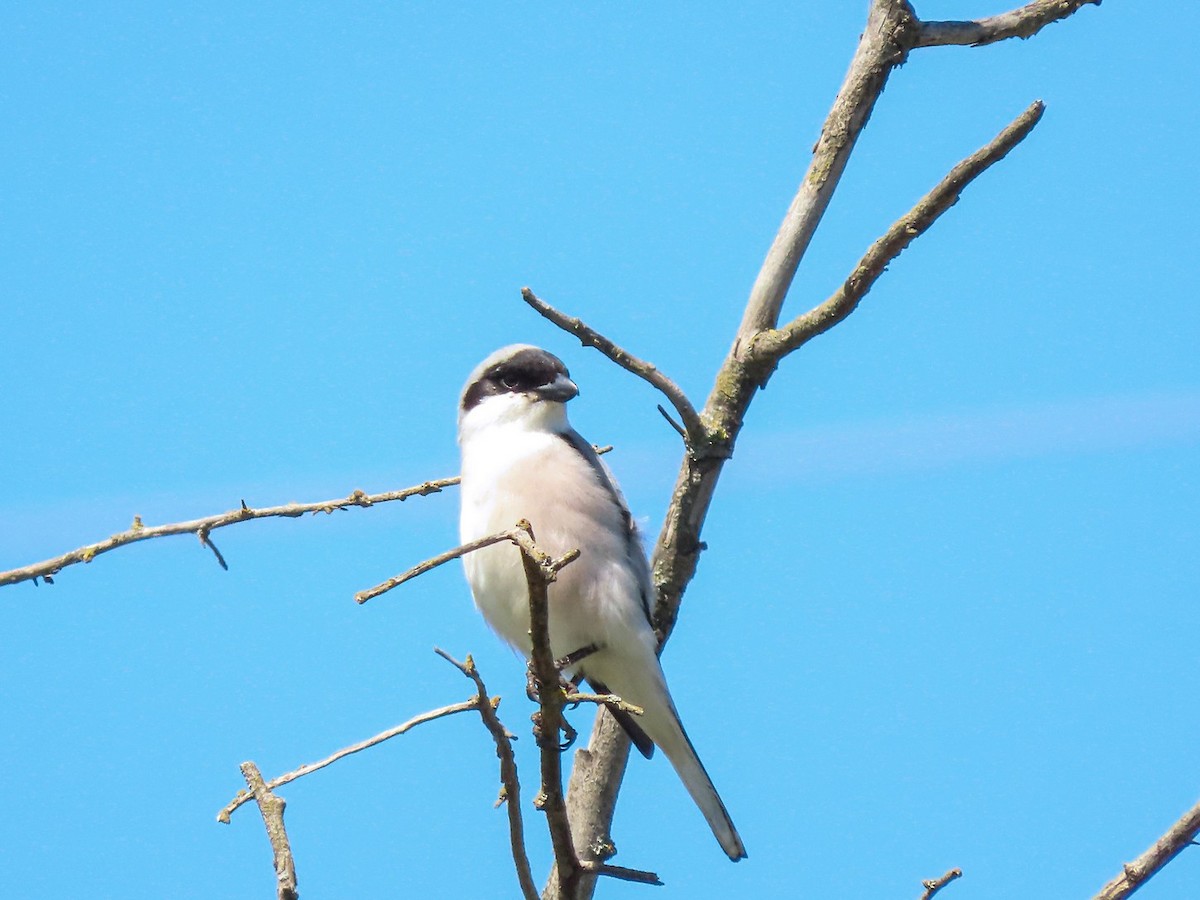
[
  {"x": 675, "y": 425},
  {"x": 207, "y": 542}
]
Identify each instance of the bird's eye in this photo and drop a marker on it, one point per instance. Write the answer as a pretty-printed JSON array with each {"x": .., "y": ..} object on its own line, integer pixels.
[{"x": 508, "y": 382}]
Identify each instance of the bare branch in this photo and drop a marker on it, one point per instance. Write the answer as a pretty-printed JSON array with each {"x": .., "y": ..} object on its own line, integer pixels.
[
  {"x": 772, "y": 344},
  {"x": 595, "y": 781},
  {"x": 891, "y": 28},
  {"x": 694, "y": 429},
  {"x": 891, "y": 32},
  {"x": 511, "y": 790},
  {"x": 540, "y": 571},
  {"x": 936, "y": 884},
  {"x": 272, "y": 808},
  {"x": 1023, "y": 23},
  {"x": 201, "y": 527},
  {"x": 549, "y": 719},
  {"x": 309, "y": 768},
  {"x": 1135, "y": 874}
]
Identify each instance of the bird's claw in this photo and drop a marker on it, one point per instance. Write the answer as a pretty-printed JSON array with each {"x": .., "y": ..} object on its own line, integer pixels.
[
  {"x": 569, "y": 734},
  {"x": 533, "y": 686}
]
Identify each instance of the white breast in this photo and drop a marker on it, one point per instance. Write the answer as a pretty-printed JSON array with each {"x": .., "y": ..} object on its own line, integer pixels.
[{"x": 511, "y": 473}]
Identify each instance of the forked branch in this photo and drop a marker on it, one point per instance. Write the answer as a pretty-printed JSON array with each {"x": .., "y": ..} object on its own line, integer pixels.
[
  {"x": 272, "y": 808},
  {"x": 934, "y": 885},
  {"x": 772, "y": 344},
  {"x": 541, "y": 570},
  {"x": 510, "y": 791}
]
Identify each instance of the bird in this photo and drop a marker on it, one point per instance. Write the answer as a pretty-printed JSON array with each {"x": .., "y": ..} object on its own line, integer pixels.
[{"x": 521, "y": 459}]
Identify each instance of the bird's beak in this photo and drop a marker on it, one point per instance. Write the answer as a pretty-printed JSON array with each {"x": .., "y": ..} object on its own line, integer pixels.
[{"x": 560, "y": 390}]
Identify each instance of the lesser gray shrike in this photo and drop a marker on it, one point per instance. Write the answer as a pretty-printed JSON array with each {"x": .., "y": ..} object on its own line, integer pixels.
[{"x": 522, "y": 460}]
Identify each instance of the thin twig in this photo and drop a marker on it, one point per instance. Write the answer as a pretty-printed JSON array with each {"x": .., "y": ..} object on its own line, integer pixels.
[
  {"x": 309, "y": 768},
  {"x": 508, "y": 772},
  {"x": 272, "y": 808},
  {"x": 206, "y": 541},
  {"x": 936, "y": 884},
  {"x": 1022, "y": 23},
  {"x": 694, "y": 429},
  {"x": 432, "y": 563},
  {"x": 1133, "y": 875},
  {"x": 547, "y": 564},
  {"x": 139, "y": 532},
  {"x": 775, "y": 343},
  {"x": 612, "y": 701},
  {"x": 675, "y": 426},
  {"x": 621, "y": 873}
]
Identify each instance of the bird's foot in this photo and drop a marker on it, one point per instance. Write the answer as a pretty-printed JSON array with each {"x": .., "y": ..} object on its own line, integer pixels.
[{"x": 533, "y": 686}]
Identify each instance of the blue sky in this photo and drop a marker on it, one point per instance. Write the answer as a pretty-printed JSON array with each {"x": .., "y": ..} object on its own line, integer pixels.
[{"x": 948, "y": 612}]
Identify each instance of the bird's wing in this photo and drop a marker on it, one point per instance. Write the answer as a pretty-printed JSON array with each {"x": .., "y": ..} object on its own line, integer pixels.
[{"x": 634, "y": 549}]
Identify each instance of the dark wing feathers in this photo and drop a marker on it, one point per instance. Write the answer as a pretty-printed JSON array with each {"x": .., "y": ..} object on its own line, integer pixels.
[{"x": 626, "y": 721}]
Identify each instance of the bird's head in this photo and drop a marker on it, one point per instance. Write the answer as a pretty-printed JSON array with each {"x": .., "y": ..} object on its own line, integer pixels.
[{"x": 518, "y": 385}]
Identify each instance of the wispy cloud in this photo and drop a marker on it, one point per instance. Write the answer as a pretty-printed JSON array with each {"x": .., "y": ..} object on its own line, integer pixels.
[
  {"x": 821, "y": 453},
  {"x": 948, "y": 440}
]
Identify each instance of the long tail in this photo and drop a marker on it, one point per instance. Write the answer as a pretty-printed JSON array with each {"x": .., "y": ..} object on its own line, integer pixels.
[{"x": 648, "y": 689}]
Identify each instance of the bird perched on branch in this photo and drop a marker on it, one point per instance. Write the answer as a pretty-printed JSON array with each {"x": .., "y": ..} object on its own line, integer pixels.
[{"x": 521, "y": 459}]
